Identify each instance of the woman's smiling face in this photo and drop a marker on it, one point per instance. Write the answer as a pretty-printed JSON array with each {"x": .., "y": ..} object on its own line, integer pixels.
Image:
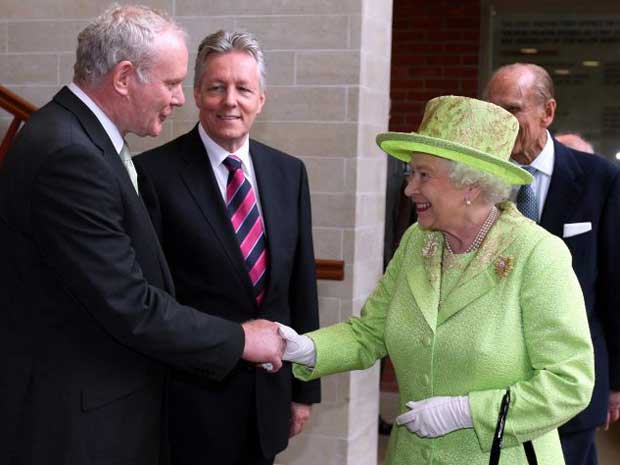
[{"x": 438, "y": 203}]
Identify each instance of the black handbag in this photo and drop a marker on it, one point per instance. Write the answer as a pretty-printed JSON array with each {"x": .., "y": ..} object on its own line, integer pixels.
[{"x": 496, "y": 448}]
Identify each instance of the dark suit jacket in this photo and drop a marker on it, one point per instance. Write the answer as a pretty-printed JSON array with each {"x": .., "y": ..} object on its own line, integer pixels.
[
  {"x": 189, "y": 214},
  {"x": 87, "y": 315},
  {"x": 586, "y": 188}
]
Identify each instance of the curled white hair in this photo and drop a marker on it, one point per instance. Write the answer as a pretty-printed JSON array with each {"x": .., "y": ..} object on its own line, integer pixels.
[{"x": 492, "y": 188}]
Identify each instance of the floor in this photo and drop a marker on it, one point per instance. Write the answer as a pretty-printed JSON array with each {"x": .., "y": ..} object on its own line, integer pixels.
[{"x": 608, "y": 441}]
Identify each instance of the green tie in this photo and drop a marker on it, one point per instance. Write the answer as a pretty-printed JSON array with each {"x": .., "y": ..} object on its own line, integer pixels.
[{"x": 129, "y": 166}]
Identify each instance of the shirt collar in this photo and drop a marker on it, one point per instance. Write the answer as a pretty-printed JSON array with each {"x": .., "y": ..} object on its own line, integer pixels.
[
  {"x": 545, "y": 160},
  {"x": 108, "y": 125},
  {"x": 218, "y": 154}
]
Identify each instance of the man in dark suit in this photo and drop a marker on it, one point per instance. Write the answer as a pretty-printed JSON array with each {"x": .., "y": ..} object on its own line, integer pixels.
[
  {"x": 233, "y": 217},
  {"x": 575, "y": 196},
  {"x": 88, "y": 321}
]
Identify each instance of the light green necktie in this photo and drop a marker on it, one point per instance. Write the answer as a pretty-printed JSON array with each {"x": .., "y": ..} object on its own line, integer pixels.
[{"x": 131, "y": 169}]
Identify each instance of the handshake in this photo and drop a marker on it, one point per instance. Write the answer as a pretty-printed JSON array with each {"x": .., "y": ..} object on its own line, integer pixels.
[{"x": 269, "y": 344}]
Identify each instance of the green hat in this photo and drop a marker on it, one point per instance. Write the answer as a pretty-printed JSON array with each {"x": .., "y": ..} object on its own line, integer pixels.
[{"x": 466, "y": 130}]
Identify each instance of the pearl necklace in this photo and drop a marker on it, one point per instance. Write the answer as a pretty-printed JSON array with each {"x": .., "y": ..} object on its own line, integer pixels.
[{"x": 482, "y": 233}]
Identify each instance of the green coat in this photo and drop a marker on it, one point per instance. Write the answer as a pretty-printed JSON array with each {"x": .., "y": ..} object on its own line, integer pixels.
[{"x": 516, "y": 320}]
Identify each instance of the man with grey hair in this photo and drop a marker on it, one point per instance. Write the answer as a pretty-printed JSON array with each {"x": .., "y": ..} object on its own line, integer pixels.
[
  {"x": 574, "y": 141},
  {"x": 576, "y": 197},
  {"x": 89, "y": 325},
  {"x": 233, "y": 217}
]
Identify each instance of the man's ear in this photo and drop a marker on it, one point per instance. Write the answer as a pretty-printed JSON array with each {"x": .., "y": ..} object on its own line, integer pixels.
[
  {"x": 122, "y": 75},
  {"x": 550, "y": 107},
  {"x": 262, "y": 97}
]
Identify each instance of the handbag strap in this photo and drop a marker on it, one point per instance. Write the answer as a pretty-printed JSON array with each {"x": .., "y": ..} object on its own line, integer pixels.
[{"x": 496, "y": 447}]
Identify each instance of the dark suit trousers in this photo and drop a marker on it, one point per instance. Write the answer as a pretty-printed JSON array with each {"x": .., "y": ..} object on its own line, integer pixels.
[
  {"x": 197, "y": 437},
  {"x": 579, "y": 448}
]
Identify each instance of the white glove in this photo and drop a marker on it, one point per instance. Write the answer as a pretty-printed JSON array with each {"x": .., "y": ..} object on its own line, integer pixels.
[
  {"x": 436, "y": 416},
  {"x": 299, "y": 349}
]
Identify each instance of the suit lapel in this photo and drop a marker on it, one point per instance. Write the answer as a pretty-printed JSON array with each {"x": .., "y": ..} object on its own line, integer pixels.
[
  {"x": 464, "y": 294},
  {"x": 426, "y": 291},
  {"x": 87, "y": 120},
  {"x": 564, "y": 191},
  {"x": 100, "y": 138},
  {"x": 273, "y": 206},
  {"x": 199, "y": 179}
]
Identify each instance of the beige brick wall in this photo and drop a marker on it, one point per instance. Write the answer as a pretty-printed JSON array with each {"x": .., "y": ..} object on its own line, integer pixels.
[{"x": 327, "y": 97}]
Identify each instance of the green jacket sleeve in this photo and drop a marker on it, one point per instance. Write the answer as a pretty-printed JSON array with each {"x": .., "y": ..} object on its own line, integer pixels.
[
  {"x": 357, "y": 343},
  {"x": 557, "y": 338}
]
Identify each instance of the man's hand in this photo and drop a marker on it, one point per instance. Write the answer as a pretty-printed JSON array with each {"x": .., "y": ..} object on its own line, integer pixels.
[
  {"x": 263, "y": 343},
  {"x": 300, "y": 414},
  {"x": 613, "y": 410}
]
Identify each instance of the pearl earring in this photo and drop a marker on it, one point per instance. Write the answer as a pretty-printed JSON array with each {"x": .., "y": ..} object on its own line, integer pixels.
[{"x": 467, "y": 202}]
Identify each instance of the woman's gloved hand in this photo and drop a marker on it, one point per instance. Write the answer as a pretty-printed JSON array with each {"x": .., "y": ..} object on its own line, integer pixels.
[
  {"x": 436, "y": 416},
  {"x": 299, "y": 349}
]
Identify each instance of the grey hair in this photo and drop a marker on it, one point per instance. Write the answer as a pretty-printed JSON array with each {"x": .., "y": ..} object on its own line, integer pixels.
[
  {"x": 225, "y": 42},
  {"x": 122, "y": 32},
  {"x": 492, "y": 188},
  {"x": 541, "y": 82}
]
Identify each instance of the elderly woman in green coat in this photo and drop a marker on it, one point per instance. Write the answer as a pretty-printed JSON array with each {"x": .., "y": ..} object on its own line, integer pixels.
[{"x": 477, "y": 300}]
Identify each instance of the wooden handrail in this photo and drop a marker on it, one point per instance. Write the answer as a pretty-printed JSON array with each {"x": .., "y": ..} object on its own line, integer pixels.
[
  {"x": 16, "y": 105},
  {"x": 332, "y": 270},
  {"x": 20, "y": 109}
]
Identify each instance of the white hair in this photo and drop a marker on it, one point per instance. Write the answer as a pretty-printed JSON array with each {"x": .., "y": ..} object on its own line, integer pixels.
[
  {"x": 122, "y": 32},
  {"x": 492, "y": 188}
]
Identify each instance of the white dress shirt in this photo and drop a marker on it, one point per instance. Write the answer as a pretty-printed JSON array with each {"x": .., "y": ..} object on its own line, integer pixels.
[
  {"x": 110, "y": 129},
  {"x": 217, "y": 154},
  {"x": 542, "y": 176}
]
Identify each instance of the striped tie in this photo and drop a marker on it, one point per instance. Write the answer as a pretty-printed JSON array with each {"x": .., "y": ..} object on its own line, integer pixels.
[{"x": 248, "y": 225}]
